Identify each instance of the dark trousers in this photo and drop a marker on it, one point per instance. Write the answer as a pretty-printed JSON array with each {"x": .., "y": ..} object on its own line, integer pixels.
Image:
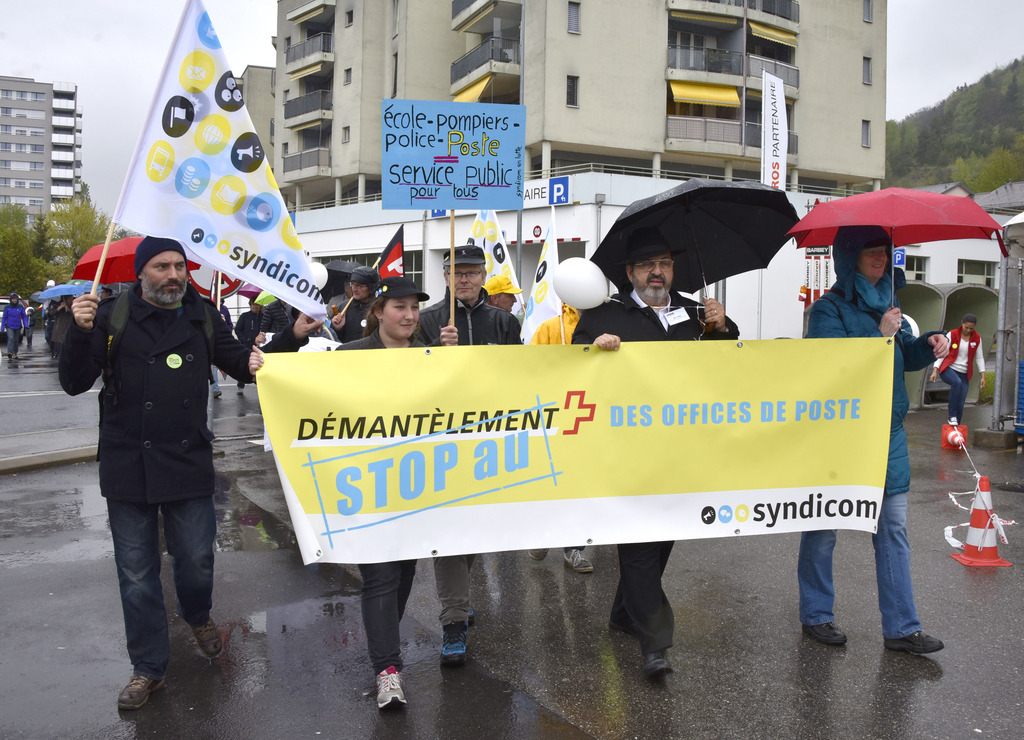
[
  {"x": 640, "y": 603},
  {"x": 386, "y": 588},
  {"x": 190, "y": 527}
]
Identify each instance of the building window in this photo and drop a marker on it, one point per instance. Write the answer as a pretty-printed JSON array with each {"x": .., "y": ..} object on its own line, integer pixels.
[
  {"x": 349, "y": 17},
  {"x": 348, "y": 76},
  {"x": 976, "y": 272},
  {"x": 346, "y": 134},
  {"x": 867, "y": 70},
  {"x": 574, "y": 17},
  {"x": 572, "y": 91},
  {"x": 394, "y": 18},
  {"x": 867, "y": 11},
  {"x": 865, "y": 133},
  {"x": 916, "y": 267}
]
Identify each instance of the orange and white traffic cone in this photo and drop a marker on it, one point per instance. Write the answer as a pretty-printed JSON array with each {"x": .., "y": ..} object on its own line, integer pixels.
[
  {"x": 980, "y": 547},
  {"x": 954, "y": 437}
]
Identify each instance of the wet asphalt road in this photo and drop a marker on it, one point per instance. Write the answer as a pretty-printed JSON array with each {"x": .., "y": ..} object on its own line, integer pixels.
[{"x": 542, "y": 662}]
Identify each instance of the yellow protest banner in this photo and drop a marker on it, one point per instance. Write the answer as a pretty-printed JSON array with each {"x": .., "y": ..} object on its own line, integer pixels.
[{"x": 386, "y": 455}]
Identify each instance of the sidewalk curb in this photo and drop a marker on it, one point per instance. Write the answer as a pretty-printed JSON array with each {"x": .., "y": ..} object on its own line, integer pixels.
[{"x": 47, "y": 459}]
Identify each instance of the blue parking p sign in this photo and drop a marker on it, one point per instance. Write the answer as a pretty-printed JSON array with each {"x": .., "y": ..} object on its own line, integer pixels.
[
  {"x": 558, "y": 191},
  {"x": 899, "y": 257}
]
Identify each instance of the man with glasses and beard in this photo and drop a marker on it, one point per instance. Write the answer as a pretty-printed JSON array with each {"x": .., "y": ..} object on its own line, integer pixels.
[
  {"x": 154, "y": 346},
  {"x": 651, "y": 311}
]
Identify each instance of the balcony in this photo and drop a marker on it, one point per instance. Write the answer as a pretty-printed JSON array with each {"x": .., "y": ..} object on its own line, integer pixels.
[
  {"x": 789, "y": 74},
  {"x": 788, "y": 9},
  {"x": 308, "y": 109},
  {"x": 313, "y": 56},
  {"x": 67, "y": 104},
  {"x": 308, "y": 164},
  {"x": 500, "y": 56},
  {"x": 718, "y": 131},
  {"x": 62, "y": 156},
  {"x": 62, "y": 139},
  {"x": 64, "y": 122},
  {"x": 62, "y": 191},
  {"x": 722, "y": 61},
  {"x": 699, "y": 59},
  {"x": 62, "y": 174},
  {"x": 486, "y": 16}
]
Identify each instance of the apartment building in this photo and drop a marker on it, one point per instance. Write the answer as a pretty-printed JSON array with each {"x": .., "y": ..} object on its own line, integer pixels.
[
  {"x": 40, "y": 143},
  {"x": 665, "y": 87}
]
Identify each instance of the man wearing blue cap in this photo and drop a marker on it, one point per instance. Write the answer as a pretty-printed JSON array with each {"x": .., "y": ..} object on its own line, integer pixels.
[{"x": 154, "y": 345}]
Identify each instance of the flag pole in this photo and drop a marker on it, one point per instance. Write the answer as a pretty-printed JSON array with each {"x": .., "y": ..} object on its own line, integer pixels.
[
  {"x": 103, "y": 259},
  {"x": 451, "y": 270}
]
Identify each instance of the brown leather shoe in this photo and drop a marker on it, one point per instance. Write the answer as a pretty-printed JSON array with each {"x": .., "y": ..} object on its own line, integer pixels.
[
  {"x": 208, "y": 639},
  {"x": 137, "y": 692}
]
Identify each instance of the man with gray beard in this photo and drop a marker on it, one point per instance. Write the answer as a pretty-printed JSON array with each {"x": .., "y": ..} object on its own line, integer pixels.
[
  {"x": 651, "y": 311},
  {"x": 154, "y": 345}
]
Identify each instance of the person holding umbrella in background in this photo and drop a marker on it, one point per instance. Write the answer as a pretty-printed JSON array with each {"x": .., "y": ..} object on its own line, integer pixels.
[{"x": 862, "y": 303}]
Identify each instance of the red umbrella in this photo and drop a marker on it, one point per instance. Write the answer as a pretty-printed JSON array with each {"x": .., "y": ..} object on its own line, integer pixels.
[
  {"x": 910, "y": 217},
  {"x": 119, "y": 266}
]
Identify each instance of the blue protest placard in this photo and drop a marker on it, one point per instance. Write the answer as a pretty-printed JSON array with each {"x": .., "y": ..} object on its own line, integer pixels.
[{"x": 438, "y": 155}]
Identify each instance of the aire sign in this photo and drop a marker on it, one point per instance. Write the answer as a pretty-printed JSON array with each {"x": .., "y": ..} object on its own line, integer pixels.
[{"x": 551, "y": 192}]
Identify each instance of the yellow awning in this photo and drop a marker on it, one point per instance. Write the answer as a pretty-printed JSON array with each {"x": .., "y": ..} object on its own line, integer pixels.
[
  {"x": 472, "y": 93},
  {"x": 772, "y": 34},
  {"x": 310, "y": 70},
  {"x": 720, "y": 20},
  {"x": 701, "y": 92}
]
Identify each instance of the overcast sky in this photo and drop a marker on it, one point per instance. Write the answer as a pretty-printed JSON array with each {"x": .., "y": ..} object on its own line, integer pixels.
[{"x": 114, "y": 50}]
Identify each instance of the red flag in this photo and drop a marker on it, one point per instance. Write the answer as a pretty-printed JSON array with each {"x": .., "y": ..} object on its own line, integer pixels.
[{"x": 391, "y": 262}]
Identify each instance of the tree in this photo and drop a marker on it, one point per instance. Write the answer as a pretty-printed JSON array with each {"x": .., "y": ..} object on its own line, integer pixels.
[
  {"x": 1001, "y": 166},
  {"x": 74, "y": 226},
  {"x": 40, "y": 240},
  {"x": 20, "y": 271}
]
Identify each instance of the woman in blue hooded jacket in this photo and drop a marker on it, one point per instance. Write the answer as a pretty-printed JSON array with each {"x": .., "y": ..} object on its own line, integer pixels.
[{"x": 858, "y": 305}]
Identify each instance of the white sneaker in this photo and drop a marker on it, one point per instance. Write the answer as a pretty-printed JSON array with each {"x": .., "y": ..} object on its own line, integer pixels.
[
  {"x": 537, "y": 554},
  {"x": 952, "y": 420},
  {"x": 575, "y": 560},
  {"x": 389, "y": 688}
]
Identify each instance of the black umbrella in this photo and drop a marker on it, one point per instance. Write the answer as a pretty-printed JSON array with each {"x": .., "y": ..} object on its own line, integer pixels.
[
  {"x": 338, "y": 272},
  {"x": 715, "y": 230}
]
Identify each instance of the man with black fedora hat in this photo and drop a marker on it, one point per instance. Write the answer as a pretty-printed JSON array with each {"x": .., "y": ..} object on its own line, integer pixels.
[
  {"x": 154, "y": 345},
  {"x": 648, "y": 310},
  {"x": 476, "y": 322}
]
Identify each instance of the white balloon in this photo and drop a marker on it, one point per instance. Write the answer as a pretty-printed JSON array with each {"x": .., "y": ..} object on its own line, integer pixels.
[
  {"x": 580, "y": 283},
  {"x": 319, "y": 272}
]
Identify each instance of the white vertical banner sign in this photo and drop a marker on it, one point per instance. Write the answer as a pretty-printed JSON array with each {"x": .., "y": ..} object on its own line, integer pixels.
[
  {"x": 774, "y": 131},
  {"x": 544, "y": 302}
]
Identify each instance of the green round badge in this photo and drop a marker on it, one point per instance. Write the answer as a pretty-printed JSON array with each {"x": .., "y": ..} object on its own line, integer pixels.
[{"x": 174, "y": 361}]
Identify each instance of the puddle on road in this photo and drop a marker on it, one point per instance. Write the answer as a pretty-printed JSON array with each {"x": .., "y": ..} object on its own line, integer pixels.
[{"x": 244, "y": 526}]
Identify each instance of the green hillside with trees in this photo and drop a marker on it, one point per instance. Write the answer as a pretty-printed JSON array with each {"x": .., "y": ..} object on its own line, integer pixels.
[{"x": 975, "y": 136}]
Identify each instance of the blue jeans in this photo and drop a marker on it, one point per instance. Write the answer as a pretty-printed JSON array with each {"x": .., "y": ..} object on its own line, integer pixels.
[
  {"x": 189, "y": 529},
  {"x": 13, "y": 340},
  {"x": 958, "y": 384},
  {"x": 892, "y": 570}
]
